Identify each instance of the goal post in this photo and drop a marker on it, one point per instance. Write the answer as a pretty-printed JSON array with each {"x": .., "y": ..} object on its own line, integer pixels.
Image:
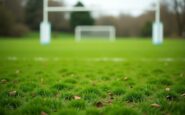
[
  {"x": 45, "y": 32},
  {"x": 92, "y": 32},
  {"x": 157, "y": 30},
  {"x": 45, "y": 27}
]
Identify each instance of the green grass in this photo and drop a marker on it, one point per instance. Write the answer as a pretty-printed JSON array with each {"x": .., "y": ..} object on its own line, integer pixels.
[{"x": 111, "y": 78}]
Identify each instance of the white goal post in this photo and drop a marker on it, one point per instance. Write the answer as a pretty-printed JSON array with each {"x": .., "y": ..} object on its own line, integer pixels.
[
  {"x": 105, "y": 32},
  {"x": 45, "y": 27}
]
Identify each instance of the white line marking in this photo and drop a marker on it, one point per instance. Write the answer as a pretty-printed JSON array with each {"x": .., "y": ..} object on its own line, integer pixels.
[{"x": 101, "y": 59}]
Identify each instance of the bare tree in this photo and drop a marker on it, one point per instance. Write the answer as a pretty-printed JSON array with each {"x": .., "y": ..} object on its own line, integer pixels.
[
  {"x": 179, "y": 7},
  {"x": 57, "y": 18},
  {"x": 15, "y": 7}
]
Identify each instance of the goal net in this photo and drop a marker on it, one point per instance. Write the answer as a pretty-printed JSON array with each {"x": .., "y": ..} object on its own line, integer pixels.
[{"x": 95, "y": 32}]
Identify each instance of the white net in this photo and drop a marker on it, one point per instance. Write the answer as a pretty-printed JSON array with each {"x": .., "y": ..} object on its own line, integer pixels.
[{"x": 95, "y": 32}]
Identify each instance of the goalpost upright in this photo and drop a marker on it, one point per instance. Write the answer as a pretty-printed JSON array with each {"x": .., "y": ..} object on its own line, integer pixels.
[
  {"x": 157, "y": 34},
  {"x": 45, "y": 27}
]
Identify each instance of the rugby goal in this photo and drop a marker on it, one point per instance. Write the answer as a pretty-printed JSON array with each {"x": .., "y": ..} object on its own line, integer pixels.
[{"x": 45, "y": 27}]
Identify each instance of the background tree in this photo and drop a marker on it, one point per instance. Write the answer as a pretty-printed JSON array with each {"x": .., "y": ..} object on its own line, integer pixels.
[
  {"x": 11, "y": 19},
  {"x": 127, "y": 26},
  {"x": 145, "y": 22},
  {"x": 16, "y": 8},
  {"x": 80, "y": 18},
  {"x": 57, "y": 19},
  {"x": 34, "y": 13},
  {"x": 177, "y": 10},
  {"x": 179, "y": 7},
  {"x": 6, "y": 21},
  {"x": 147, "y": 29}
]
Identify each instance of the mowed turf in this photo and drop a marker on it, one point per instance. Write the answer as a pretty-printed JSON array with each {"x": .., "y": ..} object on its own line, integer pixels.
[{"x": 125, "y": 77}]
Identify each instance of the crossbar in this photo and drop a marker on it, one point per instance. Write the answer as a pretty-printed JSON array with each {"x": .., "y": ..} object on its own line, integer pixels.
[{"x": 68, "y": 9}]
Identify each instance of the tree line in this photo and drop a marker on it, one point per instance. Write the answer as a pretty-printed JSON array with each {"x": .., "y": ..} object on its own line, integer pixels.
[{"x": 19, "y": 17}]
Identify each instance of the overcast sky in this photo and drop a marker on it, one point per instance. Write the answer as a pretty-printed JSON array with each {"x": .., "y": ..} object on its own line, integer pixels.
[{"x": 115, "y": 7}]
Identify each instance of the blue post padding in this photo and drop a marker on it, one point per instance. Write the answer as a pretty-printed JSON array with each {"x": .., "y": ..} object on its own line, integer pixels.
[{"x": 45, "y": 33}]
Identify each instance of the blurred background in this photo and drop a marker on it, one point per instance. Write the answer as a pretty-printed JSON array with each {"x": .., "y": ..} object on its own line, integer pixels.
[{"x": 18, "y": 18}]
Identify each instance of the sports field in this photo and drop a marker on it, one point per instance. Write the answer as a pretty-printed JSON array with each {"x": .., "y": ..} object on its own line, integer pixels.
[{"x": 125, "y": 77}]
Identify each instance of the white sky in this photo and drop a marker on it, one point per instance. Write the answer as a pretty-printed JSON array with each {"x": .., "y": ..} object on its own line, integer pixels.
[{"x": 115, "y": 7}]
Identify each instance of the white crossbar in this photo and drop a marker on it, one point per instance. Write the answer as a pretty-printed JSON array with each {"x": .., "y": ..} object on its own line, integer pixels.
[{"x": 68, "y": 9}]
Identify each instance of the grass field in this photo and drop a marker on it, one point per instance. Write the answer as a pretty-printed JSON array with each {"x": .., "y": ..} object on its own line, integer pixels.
[{"x": 126, "y": 77}]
